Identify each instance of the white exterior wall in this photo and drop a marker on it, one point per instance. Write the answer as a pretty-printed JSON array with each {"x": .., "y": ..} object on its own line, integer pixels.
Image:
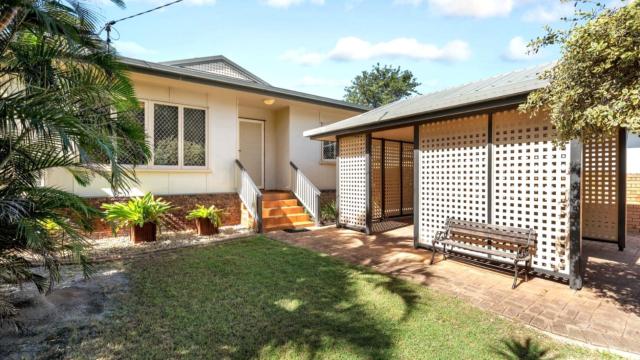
[{"x": 283, "y": 138}]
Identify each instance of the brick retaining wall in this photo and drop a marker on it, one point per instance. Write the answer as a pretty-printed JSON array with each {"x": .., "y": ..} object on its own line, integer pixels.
[
  {"x": 183, "y": 203},
  {"x": 633, "y": 203}
]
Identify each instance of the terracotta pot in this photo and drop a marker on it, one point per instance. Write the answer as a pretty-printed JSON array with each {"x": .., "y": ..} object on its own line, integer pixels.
[
  {"x": 206, "y": 227},
  {"x": 146, "y": 233}
]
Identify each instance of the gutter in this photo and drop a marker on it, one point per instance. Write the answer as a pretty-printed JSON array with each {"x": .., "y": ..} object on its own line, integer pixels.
[{"x": 200, "y": 77}]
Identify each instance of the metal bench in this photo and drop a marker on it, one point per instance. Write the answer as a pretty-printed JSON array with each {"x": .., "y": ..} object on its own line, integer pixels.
[{"x": 493, "y": 242}]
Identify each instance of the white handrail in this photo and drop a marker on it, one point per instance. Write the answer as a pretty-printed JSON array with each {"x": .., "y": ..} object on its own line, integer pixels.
[
  {"x": 307, "y": 193},
  {"x": 250, "y": 195}
]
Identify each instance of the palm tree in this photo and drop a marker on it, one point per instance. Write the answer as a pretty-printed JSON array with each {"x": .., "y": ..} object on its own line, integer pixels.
[{"x": 65, "y": 102}]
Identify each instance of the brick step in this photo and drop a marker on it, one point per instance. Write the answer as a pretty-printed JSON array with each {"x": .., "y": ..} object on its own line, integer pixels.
[
  {"x": 285, "y": 219},
  {"x": 266, "y": 204},
  {"x": 283, "y": 210},
  {"x": 289, "y": 226},
  {"x": 270, "y": 196}
]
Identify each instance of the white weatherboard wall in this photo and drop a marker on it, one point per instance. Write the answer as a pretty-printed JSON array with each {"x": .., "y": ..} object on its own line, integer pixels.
[{"x": 222, "y": 115}]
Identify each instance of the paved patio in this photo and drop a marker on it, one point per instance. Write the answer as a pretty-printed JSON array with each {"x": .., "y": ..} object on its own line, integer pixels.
[{"x": 606, "y": 312}]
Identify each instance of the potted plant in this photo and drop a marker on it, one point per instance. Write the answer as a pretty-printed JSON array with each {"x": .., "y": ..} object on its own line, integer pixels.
[
  {"x": 141, "y": 214},
  {"x": 208, "y": 220}
]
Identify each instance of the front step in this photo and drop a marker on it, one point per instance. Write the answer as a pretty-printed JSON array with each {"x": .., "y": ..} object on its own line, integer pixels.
[{"x": 281, "y": 211}]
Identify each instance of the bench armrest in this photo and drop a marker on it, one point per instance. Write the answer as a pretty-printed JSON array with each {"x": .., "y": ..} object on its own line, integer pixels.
[{"x": 438, "y": 237}]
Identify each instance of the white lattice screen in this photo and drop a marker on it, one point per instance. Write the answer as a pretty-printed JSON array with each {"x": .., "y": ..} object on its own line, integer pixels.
[
  {"x": 407, "y": 178},
  {"x": 531, "y": 184},
  {"x": 352, "y": 170},
  {"x": 599, "y": 189},
  {"x": 453, "y": 173},
  {"x": 376, "y": 178},
  {"x": 392, "y": 180}
]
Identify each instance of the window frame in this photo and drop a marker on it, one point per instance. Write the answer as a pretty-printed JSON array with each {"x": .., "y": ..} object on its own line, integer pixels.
[
  {"x": 322, "y": 158},
  {"x": 149, "y": 127}
]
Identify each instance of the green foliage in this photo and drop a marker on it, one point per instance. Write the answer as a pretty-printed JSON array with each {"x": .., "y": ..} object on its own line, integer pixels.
[
  {"x": 136, "y": 212},
  {"x": 595, "y": 86},
  {"x": 65, "y": 103},
  {"x": 329, "y": 212},
  {"x": 166, "y": 152},
  {"x": 212, "y": 213},
  {"x": 380, "y": 86}
]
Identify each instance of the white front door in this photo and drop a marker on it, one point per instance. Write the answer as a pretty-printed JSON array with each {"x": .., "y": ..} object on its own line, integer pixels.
[{"x": 252, "y": 149}]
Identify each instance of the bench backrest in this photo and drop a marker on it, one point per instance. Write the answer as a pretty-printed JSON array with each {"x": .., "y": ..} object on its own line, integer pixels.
[{"x": 496, "y": 236}]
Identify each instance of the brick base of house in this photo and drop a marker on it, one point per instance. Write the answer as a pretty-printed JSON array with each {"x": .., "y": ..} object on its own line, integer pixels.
[
  {"x": 633, "y": 203},
  {"x": 633, "y": 218},
  {"x": 327, "y": 196},
  {"x": 182, "y": 205}
]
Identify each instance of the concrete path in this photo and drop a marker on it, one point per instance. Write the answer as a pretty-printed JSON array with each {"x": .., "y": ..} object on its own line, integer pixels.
[{"x": 606, "y": 312}]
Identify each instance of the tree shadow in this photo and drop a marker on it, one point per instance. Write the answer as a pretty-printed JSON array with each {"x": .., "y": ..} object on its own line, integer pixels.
[
  {"x": 231, "y": 303},
  {"x": 513, "y": 349}
]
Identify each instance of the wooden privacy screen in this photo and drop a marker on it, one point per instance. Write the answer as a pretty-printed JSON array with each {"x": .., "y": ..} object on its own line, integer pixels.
[
  {"x": 391, "y": 178},
  {"x": 528, "y": 186},
  {"x": 531, "y": 183},
  {"x": 453, "y": 173},
  {"x": 352, "y": 181},
  {"x": 600, "y": 187}
]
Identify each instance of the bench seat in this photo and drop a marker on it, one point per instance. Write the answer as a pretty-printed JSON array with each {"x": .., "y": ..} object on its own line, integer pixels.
[{"x": 504, "y": 254}]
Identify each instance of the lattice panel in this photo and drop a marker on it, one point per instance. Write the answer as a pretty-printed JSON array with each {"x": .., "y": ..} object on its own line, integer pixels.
[
  {"x": 352, "y": 169},
  {"x": 453, "y": 173},
  {"x": 220, "y": 68},
  {"x": 530, "y": 183},
  {"x": 392, "y": 179},
  {"x": 376, "y": 178},
  {"x": 407, "y": 178},
  {"x": 195, "y": 133},
  {"x": 599, "y": 188},
  {"x": 165, "y": 134}
]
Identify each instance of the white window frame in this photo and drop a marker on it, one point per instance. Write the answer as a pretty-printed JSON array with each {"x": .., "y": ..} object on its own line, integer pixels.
[
  {"x": 322, "y": 158},
  {"x": 149, "y": 125}
]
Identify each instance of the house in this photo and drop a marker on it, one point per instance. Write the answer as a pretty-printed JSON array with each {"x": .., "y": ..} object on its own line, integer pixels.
[
  {"x": 221, "y": 135},
  {"x": 467, "y": 153}
]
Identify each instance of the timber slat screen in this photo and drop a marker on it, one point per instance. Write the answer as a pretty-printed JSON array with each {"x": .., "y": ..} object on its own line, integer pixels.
[
  {"x": 600, "y": 186},
  {"x": 392, "y": 178},
  {"x": 528, "y": 184}
]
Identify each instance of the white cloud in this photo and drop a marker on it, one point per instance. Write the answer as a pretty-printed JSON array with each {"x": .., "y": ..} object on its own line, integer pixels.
[
  {"x": 132, "y": 48},
  {"x": 549, "y": 13},
  {"x": 517, "y": 50},
  {"x": 353, "y": 49},
  {"x": 473, "y": 8},
  {"x": 287, "y": 3}
]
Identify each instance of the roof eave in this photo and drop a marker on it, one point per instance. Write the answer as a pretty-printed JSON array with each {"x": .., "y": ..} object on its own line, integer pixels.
[
  {"x": 184, "y": 74},
  {"x": 500, "y": 103}
]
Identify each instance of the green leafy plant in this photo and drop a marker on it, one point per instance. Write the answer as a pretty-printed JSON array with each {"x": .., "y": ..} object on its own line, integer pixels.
[
  {"x": 136, "y": 212},
  {"x": 329, "y": 212},
  {"x": 212, "y": 213}
]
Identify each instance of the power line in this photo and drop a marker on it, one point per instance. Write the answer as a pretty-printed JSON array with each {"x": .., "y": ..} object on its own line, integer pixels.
[{"x": 109, "y": 25}]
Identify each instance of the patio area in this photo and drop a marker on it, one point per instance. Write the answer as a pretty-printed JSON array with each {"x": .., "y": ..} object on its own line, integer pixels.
[{"x": 605, "y": 313}]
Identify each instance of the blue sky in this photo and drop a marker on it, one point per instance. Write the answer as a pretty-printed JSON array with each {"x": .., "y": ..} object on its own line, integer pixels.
[{"x": 318, "y": 46}]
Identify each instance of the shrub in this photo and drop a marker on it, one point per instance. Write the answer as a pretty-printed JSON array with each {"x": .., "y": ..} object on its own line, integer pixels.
[
  {"x": 329, "y": 212},
  {"x": 137, "y": 211},
  {"x": 212, "y": 213}
]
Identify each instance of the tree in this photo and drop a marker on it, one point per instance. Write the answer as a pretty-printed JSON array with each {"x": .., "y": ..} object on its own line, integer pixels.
[
  {"x": 595, "y": 86},
  {"x": 380, "y": 86},
  {"x": 65, "y": 102}
]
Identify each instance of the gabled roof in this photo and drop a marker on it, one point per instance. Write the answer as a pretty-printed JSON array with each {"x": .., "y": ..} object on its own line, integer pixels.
[
  {"x": 219, "y": 65},
  {"x": 501, "y": 90},
  {"x": 214, "y": 79}
]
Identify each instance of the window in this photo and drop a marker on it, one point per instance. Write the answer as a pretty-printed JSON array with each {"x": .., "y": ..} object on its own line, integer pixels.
[
  {"x": 138, "y": 115},
  {"x": 179, "y": 136},
  {"x": 328, "y": 150}
]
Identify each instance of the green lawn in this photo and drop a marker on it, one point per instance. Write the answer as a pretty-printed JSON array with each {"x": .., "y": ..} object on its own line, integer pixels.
[{"x": 259, "y": 298}]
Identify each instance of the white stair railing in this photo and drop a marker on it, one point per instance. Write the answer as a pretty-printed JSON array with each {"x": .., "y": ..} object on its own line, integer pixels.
[
  {"x": 250, "y": 195},
  {"x": 307, "y": 193}
]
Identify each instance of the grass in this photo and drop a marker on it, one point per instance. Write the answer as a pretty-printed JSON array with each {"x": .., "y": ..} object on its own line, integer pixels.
[{"x": 258, "y": 298}]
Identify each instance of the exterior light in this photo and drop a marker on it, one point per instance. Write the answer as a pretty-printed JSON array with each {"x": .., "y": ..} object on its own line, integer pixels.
[{"x": 269, "y": 101}]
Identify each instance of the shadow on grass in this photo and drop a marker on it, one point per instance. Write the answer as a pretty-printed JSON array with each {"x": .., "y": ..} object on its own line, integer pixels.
[
  {"x": 257, "y": 298},
  {"x": 513, "y": 349}
]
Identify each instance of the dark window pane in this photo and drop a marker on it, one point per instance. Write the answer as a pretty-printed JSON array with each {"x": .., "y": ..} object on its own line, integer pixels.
[
  {"x": 194, "y": 137},
  {"x": 165, "y": 135}
]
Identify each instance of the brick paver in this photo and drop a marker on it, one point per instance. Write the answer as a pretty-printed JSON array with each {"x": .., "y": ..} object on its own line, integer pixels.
[{"x": 606, "y": 312}]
